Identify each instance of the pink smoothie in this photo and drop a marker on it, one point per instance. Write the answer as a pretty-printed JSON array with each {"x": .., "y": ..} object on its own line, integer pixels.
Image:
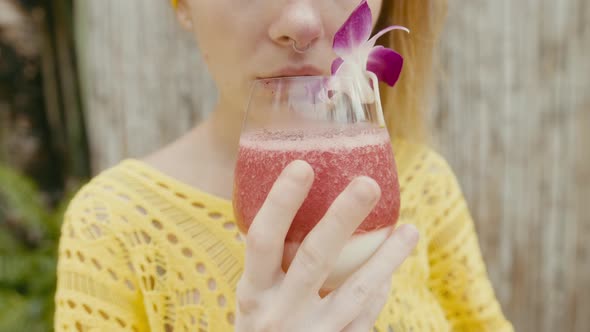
[{"x": 336, "y": 157}]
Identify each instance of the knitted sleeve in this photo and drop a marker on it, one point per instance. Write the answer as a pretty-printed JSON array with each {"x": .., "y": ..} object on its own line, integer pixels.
[
  {"x": 458, "y": 275},
  {"x": 96, "y": 289}
]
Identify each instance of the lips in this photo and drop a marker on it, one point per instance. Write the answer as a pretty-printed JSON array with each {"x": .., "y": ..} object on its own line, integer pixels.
[{"x": 294, "y": 71}]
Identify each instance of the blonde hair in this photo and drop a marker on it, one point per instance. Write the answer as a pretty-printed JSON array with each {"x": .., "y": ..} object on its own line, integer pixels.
[{"x": 406, "y": 105}]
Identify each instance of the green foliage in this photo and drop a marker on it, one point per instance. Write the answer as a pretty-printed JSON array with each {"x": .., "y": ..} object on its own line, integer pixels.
[{"x": 29, "y": 235}]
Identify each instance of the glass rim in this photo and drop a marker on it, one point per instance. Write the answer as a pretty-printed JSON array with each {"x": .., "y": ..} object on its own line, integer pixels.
[{"x": 301, "y": 78}]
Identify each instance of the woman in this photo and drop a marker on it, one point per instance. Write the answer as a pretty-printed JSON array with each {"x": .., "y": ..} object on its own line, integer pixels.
[{"x": 151, "y": 244}]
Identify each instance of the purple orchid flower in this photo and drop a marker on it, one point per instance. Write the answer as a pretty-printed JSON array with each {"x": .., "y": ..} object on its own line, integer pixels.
[{"x": 356, "y": 52}]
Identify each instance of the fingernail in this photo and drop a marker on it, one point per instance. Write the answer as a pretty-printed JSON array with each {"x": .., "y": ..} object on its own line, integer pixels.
[
  {"x": 409, "y": 233},
  {"x": 366, "y": 189},
  {"x": 299, "y": 171}
]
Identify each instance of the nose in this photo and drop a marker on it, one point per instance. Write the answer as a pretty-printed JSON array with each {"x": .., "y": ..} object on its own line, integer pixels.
[{"x": 297, "y": 22}]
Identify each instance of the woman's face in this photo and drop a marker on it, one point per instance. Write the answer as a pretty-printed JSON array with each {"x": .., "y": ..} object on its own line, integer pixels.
[{"x": 242, "y": 40}]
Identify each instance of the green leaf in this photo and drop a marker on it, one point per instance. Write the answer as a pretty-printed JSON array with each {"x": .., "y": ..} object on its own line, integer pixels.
[
  {"x": 14, "y": 269},
  {"x": 21, "y": 209},
  {"x": 18, "y": 313},
  {"x": 29, "y": 235}
]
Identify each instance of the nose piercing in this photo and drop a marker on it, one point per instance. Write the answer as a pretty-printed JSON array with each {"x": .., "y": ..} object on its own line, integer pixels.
[{"x": 300, "y": 50}]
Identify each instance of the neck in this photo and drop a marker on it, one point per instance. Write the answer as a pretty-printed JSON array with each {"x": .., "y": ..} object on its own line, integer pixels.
[{"x": 221, "y": 131}]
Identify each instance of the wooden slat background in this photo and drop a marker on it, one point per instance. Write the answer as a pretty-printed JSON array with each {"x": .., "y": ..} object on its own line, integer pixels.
[
  {"x": 143, "y": 81},
  {"x": 513, "y": 119}
]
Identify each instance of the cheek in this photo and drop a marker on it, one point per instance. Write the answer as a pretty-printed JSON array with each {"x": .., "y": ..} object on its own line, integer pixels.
[
  {"x": 376, "y": 6},
  {"x": 217, "y": 44},
  {"x": 224, "y": 35},
  {"x": 335, "y": 16}
]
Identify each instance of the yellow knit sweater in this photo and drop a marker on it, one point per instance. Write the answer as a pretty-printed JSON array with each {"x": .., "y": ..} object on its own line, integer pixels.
[{"x": 141, "y": 251}]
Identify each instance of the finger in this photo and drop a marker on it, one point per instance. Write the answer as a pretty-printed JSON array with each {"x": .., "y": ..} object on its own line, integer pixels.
[
  {"x": 367, "y": 318},
  {"x": 351, "y": 298},
  {"x": 322, "y": 245},
  {"x": 266, "y": 235}
]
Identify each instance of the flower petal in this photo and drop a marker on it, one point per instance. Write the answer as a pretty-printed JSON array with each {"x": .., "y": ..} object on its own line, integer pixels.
[
  {"x": 386, "y": 64},
  {"x": 336, "y": 64},
  {"x": 355, "y": 31},
  {"x": 373, "y": 39}
]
